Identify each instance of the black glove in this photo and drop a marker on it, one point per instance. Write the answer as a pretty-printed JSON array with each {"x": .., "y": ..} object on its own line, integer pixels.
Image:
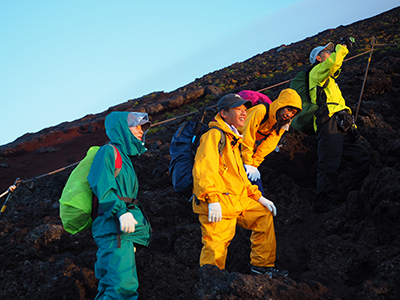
[{"x": 349, "y": 41}]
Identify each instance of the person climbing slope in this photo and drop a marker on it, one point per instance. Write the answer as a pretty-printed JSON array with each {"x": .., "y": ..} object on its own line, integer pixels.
[
  {"x": 337, "y": 134},
  {"x": 263, "y": 128},
  {"x": 224, "y": 197},
  {"x": 120, "y": 224}
]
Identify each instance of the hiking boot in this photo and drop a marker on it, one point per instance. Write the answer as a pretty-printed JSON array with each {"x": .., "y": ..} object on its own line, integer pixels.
[{"x": 254, "y": 270}]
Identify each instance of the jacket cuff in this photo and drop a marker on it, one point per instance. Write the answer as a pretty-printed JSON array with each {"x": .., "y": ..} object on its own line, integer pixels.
[
  {"x": 340, "y": 48},
  {"x": 121, "y": 212},
  {"x": 211, "y": 198},
  {"x": 256, "y": 195},
  {"x": 250, "y": 162}
]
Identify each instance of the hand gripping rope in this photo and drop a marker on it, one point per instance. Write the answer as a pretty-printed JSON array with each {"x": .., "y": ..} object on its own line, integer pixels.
[
  {"x": 31, "y": 182},
  {"x": 9, "y": 191}
]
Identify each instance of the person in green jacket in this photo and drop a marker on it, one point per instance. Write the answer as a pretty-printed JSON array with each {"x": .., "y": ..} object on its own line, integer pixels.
[
  {"x": 337, "y": 134},
  {"x": 120, "y": 224}
]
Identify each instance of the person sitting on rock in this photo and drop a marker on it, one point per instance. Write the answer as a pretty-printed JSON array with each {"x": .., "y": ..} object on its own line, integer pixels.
[
  {"x": 263, "y": 129},
  {"x": 120, "y": 224},
  {"x": 224, "y": 197}
]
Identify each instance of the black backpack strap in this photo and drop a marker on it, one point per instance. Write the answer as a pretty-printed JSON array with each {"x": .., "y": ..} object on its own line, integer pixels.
[
  {"x": 266, "y": 114},
  {"x": 320, "y": 89},
  {"x": 308, "y": 82},
  {"x": 196, "y": 136},
  {"x": 265, "y": 118}
]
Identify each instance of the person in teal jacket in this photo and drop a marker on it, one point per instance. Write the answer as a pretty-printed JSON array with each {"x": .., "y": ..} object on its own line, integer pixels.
[
  {"x": 337, "y": 134},
  {"x": 120, "y": 224}
]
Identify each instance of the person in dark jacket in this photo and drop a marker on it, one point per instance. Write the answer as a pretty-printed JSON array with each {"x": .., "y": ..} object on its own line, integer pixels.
[
  {"x": 120, "y": 224},
  {"x": 337, "y": 135}
]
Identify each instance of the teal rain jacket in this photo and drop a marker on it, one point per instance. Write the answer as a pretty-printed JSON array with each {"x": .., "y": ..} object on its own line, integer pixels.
[{"x": 107, "y": 187}]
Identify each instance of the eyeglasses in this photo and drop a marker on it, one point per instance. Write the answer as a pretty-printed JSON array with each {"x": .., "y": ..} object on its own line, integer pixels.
[{"x": 326, "y": 51}]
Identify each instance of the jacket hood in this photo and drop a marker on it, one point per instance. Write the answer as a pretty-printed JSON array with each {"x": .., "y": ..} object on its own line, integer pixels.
[
  {"x": 287, "y": 97},
  {"x": 138, "y": 118},
  {"x": 118, "y": 132}
]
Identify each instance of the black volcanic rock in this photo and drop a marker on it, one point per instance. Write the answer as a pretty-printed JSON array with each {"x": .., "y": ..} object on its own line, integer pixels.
[{"x": 350, "y": 253}]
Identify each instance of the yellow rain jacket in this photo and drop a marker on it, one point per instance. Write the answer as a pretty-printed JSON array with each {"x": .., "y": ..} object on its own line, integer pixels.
[
  {"x": 330, "y": 68},
  {"x": 254, "y": 131},
  {"x": 223, "y": 178}
]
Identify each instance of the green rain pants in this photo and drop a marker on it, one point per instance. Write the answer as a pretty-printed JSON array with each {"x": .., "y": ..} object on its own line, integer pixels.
[
  {"x": 116, "y": 270},
  {"x": 116, "y": 267}
]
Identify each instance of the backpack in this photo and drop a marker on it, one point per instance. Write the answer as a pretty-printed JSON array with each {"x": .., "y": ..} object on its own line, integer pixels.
[
  {"x": 254, "y": 97},
  {"x": 183, "y": 149},
  {"x": 78, "y": 204},
  {"x": 257, "y": 98},
  {"x": 304, "y": 121}
]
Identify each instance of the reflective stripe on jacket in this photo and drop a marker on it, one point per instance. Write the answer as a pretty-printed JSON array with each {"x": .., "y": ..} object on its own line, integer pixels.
[{"x": 221, "y": 178}]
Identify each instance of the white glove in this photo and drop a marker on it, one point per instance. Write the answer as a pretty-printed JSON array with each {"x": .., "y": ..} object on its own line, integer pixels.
[
  {"x": 252, "y": 172},
  {"x": 268, "y": 204},
  {"x": 127, "y": 222},
  {"x": 214, "y": 212},
  {"x": 286, "y": 126}
]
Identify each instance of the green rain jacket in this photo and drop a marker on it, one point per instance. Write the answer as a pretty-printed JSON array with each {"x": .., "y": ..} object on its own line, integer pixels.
[
  {"x": 329, "y": 69},
  {"x": 107, "y": 187}
]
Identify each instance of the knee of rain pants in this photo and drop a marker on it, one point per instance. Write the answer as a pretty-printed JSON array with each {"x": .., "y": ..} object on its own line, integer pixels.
[
  {"x": 216, "y": 237},
  {"x": 116, "y": 270},
  {"x": 259, "y": 220}
]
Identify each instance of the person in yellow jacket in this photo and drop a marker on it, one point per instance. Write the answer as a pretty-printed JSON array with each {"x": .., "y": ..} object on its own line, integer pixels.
[
  {"x": 224, "y": 197},
  {"x": 263, "y": 128},
  {"x": 335, "y": 128}
]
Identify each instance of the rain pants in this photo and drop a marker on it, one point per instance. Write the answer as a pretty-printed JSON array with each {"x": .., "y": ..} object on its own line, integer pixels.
[
  {"x": 334, "y": 145},
  {"x": 115, "y": 266},
  {"x": 222, "y": 178}
]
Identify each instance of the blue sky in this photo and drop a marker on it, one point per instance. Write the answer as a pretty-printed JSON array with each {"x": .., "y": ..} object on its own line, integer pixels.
[{"x": 61, "y": 60}]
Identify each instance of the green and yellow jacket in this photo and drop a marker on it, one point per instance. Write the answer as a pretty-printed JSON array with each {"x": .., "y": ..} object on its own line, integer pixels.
[{"x": 331, "y": 100}]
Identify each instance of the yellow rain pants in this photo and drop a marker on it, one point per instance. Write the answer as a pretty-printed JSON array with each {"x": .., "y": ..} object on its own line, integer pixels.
[{"x": 216, "y": 237}]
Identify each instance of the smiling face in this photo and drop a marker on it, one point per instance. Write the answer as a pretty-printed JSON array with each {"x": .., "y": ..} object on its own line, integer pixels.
[
  {"x": 235, "y": 116},
  {"x": 137, "y": 132},
  {"x": 286, "y": 113}
]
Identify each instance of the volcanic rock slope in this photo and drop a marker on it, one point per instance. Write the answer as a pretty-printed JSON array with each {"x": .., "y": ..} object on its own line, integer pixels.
[{"x": 350, "y": 253}]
